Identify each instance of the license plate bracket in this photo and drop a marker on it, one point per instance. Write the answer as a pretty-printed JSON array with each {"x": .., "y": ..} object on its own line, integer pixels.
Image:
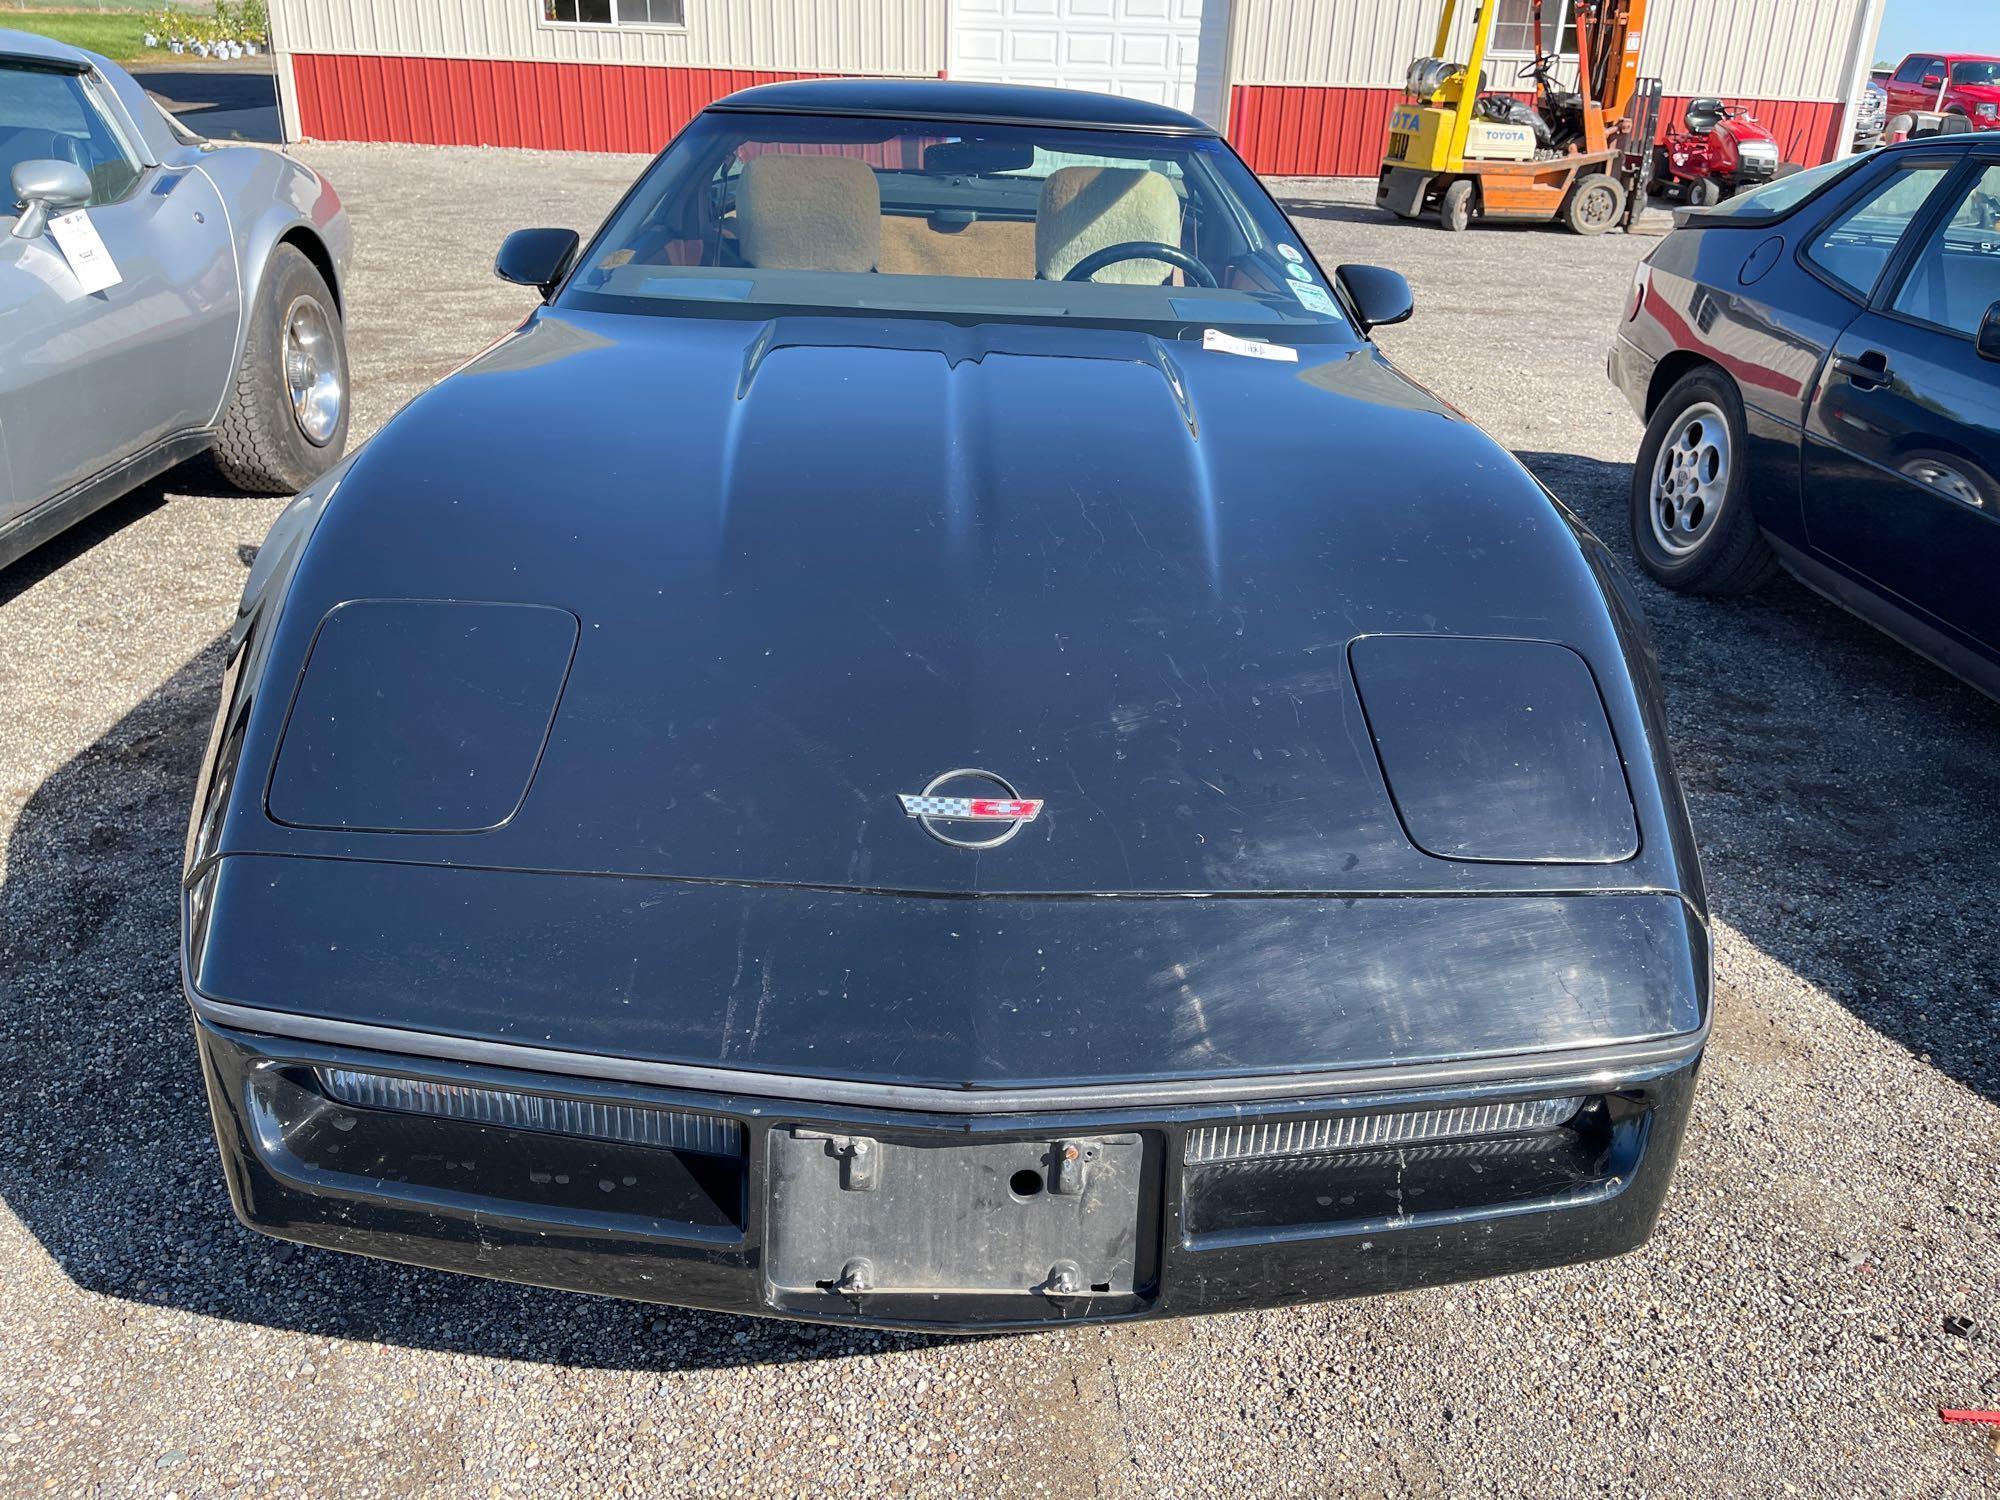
[{"x": 1048, "y": 1219}]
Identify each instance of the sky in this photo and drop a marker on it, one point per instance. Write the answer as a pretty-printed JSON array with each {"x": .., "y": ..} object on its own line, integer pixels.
[{"x": 1938, "y": 25}]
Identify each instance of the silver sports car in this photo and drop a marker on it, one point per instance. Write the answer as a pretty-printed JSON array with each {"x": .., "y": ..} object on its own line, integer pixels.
[{"x": 159, "y": 296}]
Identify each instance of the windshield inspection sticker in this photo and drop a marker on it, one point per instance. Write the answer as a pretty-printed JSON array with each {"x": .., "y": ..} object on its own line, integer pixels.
[
  {"x": 1291, "y": 253},
  {"x": 1313, "y": 298},
  {"x": 89, "y": 261},
  {"x": 1224, "y": 343},
  {"x": 1297, "y": 272}
]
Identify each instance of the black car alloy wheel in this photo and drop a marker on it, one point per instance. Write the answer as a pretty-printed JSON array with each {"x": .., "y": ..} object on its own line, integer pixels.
[{"x": 1692, "y": 527}]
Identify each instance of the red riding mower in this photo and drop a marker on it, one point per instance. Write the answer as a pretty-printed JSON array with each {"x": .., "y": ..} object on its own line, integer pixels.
[{"x": 1722, "y": 150}]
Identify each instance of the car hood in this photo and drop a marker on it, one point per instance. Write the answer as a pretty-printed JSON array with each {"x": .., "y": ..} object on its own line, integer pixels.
[{"x": 815, "y": 562}]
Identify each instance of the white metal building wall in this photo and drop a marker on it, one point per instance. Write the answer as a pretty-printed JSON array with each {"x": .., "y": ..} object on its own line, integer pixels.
[
  {"x": 1329, "y": 43},
  {"x": 806, "y": 36},
  {"x": 1760, "y": 49}
]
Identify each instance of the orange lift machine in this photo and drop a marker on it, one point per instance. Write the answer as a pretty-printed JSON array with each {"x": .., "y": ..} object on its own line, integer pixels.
[{"x": 1579, "y": 156}]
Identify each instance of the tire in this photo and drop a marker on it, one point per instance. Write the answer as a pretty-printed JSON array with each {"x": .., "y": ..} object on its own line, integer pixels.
[
  {"x": 1704, "y": 192},
  {"x": 1455, "y": 208},
  {"x": 268, "y": 443},
  {"x": 1699, "y": 536},
  {"x": 1595, "y": 204}
]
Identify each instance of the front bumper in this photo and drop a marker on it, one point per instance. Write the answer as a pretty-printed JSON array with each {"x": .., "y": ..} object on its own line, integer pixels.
[{"x": 594, "y": 1213}]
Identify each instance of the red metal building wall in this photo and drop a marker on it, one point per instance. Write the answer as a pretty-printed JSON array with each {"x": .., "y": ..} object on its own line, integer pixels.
[
  {"x": 1298, "y": 131},
  {"x": 1280, "y": 129},
  {"x": 436, "y": 101}
]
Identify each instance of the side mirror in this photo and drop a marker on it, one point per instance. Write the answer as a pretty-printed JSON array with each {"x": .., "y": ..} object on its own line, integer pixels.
[
  {"x": 538, "y": 258},
  {"x": 1933, "y": 81},
  {"x": 1379, "y": 295},
  {"x": 1989, "y": 334},
  {"x": 44, "y": 188}
]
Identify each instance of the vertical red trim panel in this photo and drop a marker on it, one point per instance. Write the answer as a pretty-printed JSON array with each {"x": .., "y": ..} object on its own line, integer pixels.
[
  {"x": 506, "y": 106},
  {"x": 353, "y": 90},
  {"x": 305, "y": 92},
  {"x": 594, "y": 101},
  {"x": 485, "y": 105}
]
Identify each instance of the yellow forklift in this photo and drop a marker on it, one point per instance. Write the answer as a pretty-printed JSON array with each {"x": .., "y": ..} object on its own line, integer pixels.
[{"x": 1580, "y": 156}]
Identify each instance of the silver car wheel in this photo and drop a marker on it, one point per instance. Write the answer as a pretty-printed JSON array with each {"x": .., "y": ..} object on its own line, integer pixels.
[
  {"x": 1690, "y": 479},
  {"x": 312, "y": 371}
]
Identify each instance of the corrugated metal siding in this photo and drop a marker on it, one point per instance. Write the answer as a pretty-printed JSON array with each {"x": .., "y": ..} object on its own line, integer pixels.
[
  {"x": 1290, "y": 131},
  {"x": 480, "y": 102},
  {"x": 1307, "y": 132},
  {"x": 1794, "y": 50},
  {"x": 1761, "y": 49},
  {"x": 806, "y": 36},
  {"x": 1329, "y": 42}
]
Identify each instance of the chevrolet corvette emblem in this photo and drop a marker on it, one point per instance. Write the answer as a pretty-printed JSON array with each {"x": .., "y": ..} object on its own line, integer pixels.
[{"x": 945, "y": 800}]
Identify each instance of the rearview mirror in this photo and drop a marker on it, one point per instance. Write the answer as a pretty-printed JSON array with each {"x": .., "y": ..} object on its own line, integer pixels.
[
  {"x": 536, "y": 257},
  {"x": 43, "y": 188},
  {"x": 1989, "y": 334},
  {"x": 978, "y": 158},
  {"x": 1380, "y": 296}
]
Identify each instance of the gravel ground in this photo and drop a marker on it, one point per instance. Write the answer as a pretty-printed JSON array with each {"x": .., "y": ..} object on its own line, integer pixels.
[{"x": 1824, "y": 1277}]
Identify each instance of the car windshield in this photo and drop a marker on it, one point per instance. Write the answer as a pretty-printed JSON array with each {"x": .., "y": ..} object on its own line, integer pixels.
[
  {"x": 1976, "y": 72},
  {"x": 962, "y": 221},
  {"x": 1785, "y": 193}
]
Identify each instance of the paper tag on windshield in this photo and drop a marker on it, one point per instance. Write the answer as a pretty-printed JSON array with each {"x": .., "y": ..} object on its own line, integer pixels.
[
  {"x": 89, "y": 261},
  {"x": 1313, "y": 298},
  {"x": 1223, "y": 343}
]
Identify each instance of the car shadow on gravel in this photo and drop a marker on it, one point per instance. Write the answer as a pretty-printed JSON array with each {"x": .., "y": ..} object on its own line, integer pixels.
[
  {"x": 66, "y": 546},
  {"x": 1845, "y": 795},
  {"x": 106, "y": 1154}
]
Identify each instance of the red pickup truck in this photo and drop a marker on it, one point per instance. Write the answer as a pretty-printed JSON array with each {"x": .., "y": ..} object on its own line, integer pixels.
[{"x": 1946, "y": 83}]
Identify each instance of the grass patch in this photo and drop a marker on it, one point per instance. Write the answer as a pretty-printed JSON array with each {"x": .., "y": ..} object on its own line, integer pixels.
[
  {"x": 119, "y": 36},
  {"x": 93, "y": 6}
]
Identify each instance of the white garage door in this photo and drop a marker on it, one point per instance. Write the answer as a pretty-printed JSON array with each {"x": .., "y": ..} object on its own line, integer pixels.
[{"x": 1143, "y": 49}]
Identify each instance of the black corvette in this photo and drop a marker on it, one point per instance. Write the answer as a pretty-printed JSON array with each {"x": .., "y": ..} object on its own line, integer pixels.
[{"x": 939, "y": 740}]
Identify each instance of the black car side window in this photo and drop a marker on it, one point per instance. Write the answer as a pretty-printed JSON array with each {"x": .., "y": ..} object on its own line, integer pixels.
[
  {"x": 1912, "y": 70},
  {"x": 1956, "y": 277},
  {"x": 1854, "y": 248}
]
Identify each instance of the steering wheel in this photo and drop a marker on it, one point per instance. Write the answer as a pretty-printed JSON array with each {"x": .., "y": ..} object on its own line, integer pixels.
[
  {"x": 1541, "y": 69},
  {"x": 1111, "y": 255}
]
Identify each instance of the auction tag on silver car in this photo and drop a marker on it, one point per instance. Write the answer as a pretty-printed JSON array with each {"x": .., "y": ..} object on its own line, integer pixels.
[{"x": 81, "y": 246}]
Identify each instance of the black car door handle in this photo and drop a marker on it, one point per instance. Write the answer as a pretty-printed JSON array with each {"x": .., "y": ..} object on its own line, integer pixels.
[{"x": 1871, "y": 369}]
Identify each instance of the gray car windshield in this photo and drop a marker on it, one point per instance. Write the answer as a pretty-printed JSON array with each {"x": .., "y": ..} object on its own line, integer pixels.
[
  {"x": 1976, "y": 72},
  {"x": 934, "y": 218}
]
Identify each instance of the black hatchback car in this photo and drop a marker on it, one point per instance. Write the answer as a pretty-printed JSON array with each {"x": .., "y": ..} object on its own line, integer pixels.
[{"x": 1818, "y": 364}]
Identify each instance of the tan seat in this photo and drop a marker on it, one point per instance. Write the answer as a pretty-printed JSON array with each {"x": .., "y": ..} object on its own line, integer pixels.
[
  {"x": 1085, "y": 209},
  {"x": 809, "y": 213}
]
